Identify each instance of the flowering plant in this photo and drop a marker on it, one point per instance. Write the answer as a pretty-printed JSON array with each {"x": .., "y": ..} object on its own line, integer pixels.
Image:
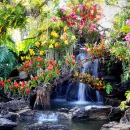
[{"x": 96, "y": 50}]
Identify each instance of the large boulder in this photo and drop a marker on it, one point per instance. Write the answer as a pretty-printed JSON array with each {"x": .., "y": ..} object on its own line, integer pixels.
[
  {"x": 92, "y": 112},
  {"x": 6, "y": 124},
  {"x": 115, "y": 126},
  {"x": 124, "y": 123},
  {"x": 13, "y": 105},
  {"x": 42, "y": 126}
]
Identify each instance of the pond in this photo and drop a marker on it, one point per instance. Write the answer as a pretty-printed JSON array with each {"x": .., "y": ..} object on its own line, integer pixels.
[{"x": 73, "y": 125}]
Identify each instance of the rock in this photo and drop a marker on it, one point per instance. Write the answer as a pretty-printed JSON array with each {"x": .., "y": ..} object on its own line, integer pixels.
[
  {"x": 124, "y": 123},
  {"x": 42, "y": 126},
  {"x": 115, "y": 114},
  {"x": 98, "y": 112},
  {"x": 115, "y": 126},
  {"x": 112, "y": 102},
  {"x": 26, "y": 114},
  {"x": 78, "y": 113},
  {"x": 11, "y": 116},
  {"x": 62, "y": 116},
  {"x": 13, "y": 105},
  {"x": 6, "y": 124},
  {"x": 90, "y": 112},
  {"x": 65, "y": 110}
]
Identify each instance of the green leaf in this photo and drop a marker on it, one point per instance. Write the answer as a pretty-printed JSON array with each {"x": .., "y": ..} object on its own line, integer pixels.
[
  {"x": 108, "y": 88},
  {"x": 123, "y": 105}
]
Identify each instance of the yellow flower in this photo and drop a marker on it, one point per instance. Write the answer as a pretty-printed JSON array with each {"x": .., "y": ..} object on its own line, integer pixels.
[
  {"x": 66, "y": 42},
  {"x": 22, "y": 57},
  {"x": 37, "y": 44},
  {"x": 43, "y": 43},
  {"x": 41, "y": 52},
  {"x": 51, "y": 46},
  {"x": 31, "y": 51},
  {"x": 84, "y": 75},
  {"x": 45, "y": 37},
  {"x": 73, "y": 38},
  {"x": 65, "y": 28},
  {"x": 54, "y": 34},
  {"x": 52, "y": 41},
  {"x": 62, "y": 37},
  {"x": 27, "y": 57}
]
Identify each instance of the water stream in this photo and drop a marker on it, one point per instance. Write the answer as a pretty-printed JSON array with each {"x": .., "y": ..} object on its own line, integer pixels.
[{"x": 90, "y": 67}]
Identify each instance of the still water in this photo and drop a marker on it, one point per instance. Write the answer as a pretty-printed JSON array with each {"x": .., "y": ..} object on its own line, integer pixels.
[{"x": 52, "y": 117}]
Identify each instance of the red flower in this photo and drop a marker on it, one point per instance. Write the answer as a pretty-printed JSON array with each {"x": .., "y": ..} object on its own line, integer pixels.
[
  {"x": 63, "y": 19},
  {"x": 36, "y": 77},
  {"x": 54, "y": 19},
  {"x": 27, "y": 90},
  {"x": 54, "y": 64},
  {"x": 51, "y": 61},
  {"x": 92, "y": 53},
  {"x": 38, "y": 65},
  {"x": 50, "y": 67},
  {"x": 86, "y": 48},
  {"x": 40, "y": 59},
  {"x": 16, "y": 85},
  {"x": 2, "y": 83},
  {"x": 57, "y": 72},
  {"x": 34, "y": 58},
  {"x": 72, "y": 56},
  {"x": 11, "y": 87},
  {"x": 8, "y": 80},
  {"x": 73, "y": 62},
  {"x": 67, "y": 61}
]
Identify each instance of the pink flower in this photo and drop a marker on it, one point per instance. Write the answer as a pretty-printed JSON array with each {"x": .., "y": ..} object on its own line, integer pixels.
[
  {"x": 102, "y": 36},
  {"x": 82, "y": 22},
  {"x": 63, "y": 10},
  {"x": 128, "y": 22},
  {"x": 54, "y": 19},
  {"x": 93, "y": 26},
  {"x": 80, "y": 32},
  {"x": 63, "y": 19},
  {"x": 127, "y": 37},
  {"x": 95, "y": 30}
]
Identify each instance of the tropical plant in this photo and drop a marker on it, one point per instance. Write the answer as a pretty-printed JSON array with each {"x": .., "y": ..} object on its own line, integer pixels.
[{"x": 7, "y": 62}]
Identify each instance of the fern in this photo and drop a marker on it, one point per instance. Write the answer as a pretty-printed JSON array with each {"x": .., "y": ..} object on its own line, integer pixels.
[
  {"x": 7, "y": 62},
  {"x": 108, "y": 88}
]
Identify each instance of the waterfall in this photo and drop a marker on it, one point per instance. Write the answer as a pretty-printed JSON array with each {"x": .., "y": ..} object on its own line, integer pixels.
[
  {"x": 95, "y": 74},
  {"x": 86, "y": 66},
  {"x": 90, "y": 67},
  {"x": 47, "y": 117}
]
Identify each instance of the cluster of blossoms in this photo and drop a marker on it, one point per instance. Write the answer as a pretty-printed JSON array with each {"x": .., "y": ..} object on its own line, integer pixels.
[
  {"x": 2, "y": 83},
  {"x": 33, "y": 62},
  {"x": 70, "y": 61},
  {"x": 96, "y": 50},
  {"x": 46, "y": 72},
  {"x": 127, "y": 37},
  {"x": 21, "y": 87},
  {"x": 81, "y": 16},
  {"x": 95, "y": 83}
]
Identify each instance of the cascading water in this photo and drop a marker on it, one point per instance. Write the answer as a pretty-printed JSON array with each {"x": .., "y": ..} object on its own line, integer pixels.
[
  {"x": 47, "y": 117},
  {"x": 95, "y": 74},
  {"x": 88, "y": 67},
  {"x": 85, "y": 69}
]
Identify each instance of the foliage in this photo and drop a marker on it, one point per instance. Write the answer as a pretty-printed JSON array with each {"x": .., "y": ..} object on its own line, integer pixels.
[
  {"x": 95, "y": 83},
  {"x": 123, "y": 103},
  {"x": 96, "y": 50},
  {"x": 7, "y": 62},
  {"x": 108, "y": 88},
  {"x": 12, "y": 16}
]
